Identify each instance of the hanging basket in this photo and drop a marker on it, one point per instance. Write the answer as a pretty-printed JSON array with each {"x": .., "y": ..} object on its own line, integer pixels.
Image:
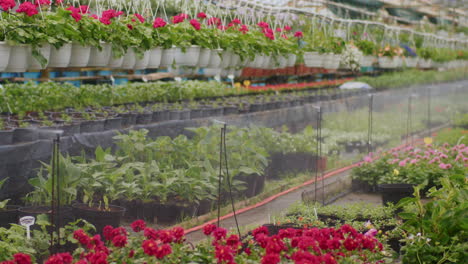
[
  {"x": 411, "y": 62},
  {"x": 142, "y": 63},
  {"x": 367, "y": 61},
  {"x": 314, "y": 59},
  {"x": 332, "y": 61},
  {"x": 215, "y": 59},
  {"x": 387, "y": 63},
  {"x": 5, "y": 51},
  {"x": 266, "y": 62},
  {"x": 167, "y": 57},
  {"x": 425, "y": 63},
  {"x": 226, "y": 57},
  {"x": 33, "y": 63},
  {"x": 188, "y": 58},
  {"x": 100, "y": 58},
  {"x": 60, "y": 58},
  {"x": 129, "y": 60},
  {"x": 79, "y": 55},
  {"x": 115, "y": 62},
  {"x": 155, "y": 58},
  {"x": 235, "y": 60},
  {"x": 204, "y": 60},
  {"x": 291, "y": 60},
  {"x": 18, "y": 61}
]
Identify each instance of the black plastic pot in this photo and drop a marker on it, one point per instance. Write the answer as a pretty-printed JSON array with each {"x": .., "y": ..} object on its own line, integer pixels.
[
  {"x": 171, "y": 212},
  {"x": 204, "y": 207},
  {"x": 144, "y": 118},
  {"x": 97, "y": 217},
  {"x": 70, "y": 129},
  {"x": 218, "y": 111},
  {"x": 174, "y": 115},
  {"x": 359, "y": 185},
  {"x": 160, "y": 116},
  {"x": 66, "y": 214},
  {"x": 113, "y": 123},
  {"x": 393, "y": 193},
  {"x": 128, "y": 119},
  {"x": 25, "y": 135},
  {"x": 92, "y": 126},
  {"x": 6, "y": 137},
  {"x": 256, "y": 107},
  {"x": 185, "y": 115},
  {"x": 196, "y": 113},
  {"x": 9, "y": 216},
  {"x": 250, "y": 181},
  {"x": 231, "y": 110}
]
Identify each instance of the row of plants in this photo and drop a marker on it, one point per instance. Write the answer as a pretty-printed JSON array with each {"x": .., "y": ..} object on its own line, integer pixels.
[
  {"x": 417, "y": 230},
  {"x": 59, "y": 36}
]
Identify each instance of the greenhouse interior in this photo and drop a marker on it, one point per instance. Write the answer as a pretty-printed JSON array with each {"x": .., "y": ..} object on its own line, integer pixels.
[{"x": 233, "y": 131}]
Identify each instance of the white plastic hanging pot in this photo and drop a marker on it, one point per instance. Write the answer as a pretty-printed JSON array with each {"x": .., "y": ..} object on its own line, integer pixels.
[
  {"x": 238, "y": 73},
  {"x": 129, "y": 60},
  {"x": 235, "y": 60},
  {"x": 204, "y": 60},
  {"x": 115, "y": 62},
  {"x": 215, "y": 58},
  {"x": 167, "y": 57},
  {"x": 398, "y": 62},
  {"x": 313, "y": 59},
  {"x": 387, "y": 62},
  {"x": 155, "y": 58},
  {"x": 33, "y": 63},
  {"x": 80, "y": 55},
  {"x": 226, "y": 57},
  {"x": 411, "y": 62},
  {"x": 291, "y": 60},
  {"x": 18, "y": 61},
  {"x": 188, "y": 58},
  {"x": 266, "y": 62},
  {"x": 332, "y": 61},
  {"x": 5, "y": 51},
  {"x": 60, "y": 58},
  {"x": 257, "y": 62},
  {"x": 100, "y": 58},
  {"x": 142, "y": 63},
  {"x": 367, "y": 61},
  {"x": 282, "y": 62}
]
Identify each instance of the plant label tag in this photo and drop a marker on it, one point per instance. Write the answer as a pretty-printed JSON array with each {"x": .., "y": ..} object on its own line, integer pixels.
[
  {"x": 112, "y": 79},
  {"x": 178, "y": 79},
  {"x": 231, "y": 76},
  {"x": 218, "y": 78},
  {"x": 27, "y": 221},
  {"x": 144, "y": 79}
]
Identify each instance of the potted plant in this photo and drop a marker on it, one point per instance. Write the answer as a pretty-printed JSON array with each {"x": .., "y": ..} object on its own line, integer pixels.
[
  {"x": 8, "y": 213},
  {"x": 368, "y": 49},
  {"x": 387, "y": 57}
]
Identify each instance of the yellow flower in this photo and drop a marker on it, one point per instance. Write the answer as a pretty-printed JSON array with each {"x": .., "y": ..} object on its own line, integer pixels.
[
  {"x": 396, "y": 172},
  {"x": 428, "y": 140},
  {"x": 237, "y": 85},
  {"x": 246, "y": 83}
]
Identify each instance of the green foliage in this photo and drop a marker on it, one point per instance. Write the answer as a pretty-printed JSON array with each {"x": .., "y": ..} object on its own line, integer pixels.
[
  {"x": 366, "y": 46},
  {"x": 437, "y": 230},
  {"x": 3, "y": 203},
  {"x": 461, "y": 120},
  {"x": 452, "y": 136}
]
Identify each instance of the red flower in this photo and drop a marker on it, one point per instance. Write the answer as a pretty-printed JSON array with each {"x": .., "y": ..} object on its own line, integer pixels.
[
  {"x": 97, "y": 258},
  {"x": 178, "y": 233},
  {"x": 195, "y": 24},
  {"x": 298, "y": 34},
  {"x": 165, "y": 236},
  {"x": 284, "y": 36},
  {"x": 118, "y": 231},
  {"x": 219, "y": 233},
  {"x": 82, "y": 237},
  {"x": 108, "y": 15},
  {"x": 278, "y": 29},
  {"x": 119, "y": 241},
  {"x": 208, "y": 229},
  {"x": 214, "y": 21},
  {"x": 42, "y": 2},
  {"x": 159, "y": 22},
  {"x": 333, "y": 244},
  {"x": 58, "y": 2},
  {"x": 163, "y": 251},
  {"x": 236, "y": 21},
  {"x": 275, "y": 245},
  {"x": 140, "y": 17},
  {"x": 7, "y": 5},
  {"x": 84, "y": 9},
  {"x": 7, "y": 262},
  {"x": 178, "y": 19},
  {"x": 150, "y": 247},
  {"x": 287, "y": 28},
  {"x": 244, "y": 29},
  {"x": 260, "y": 230},
  {"x": 28, "y": 8},
  {"x": 107, "y": 232},
  {"x": 94, "y": 16},
  {"x": 224, "y": 254},
  {"x": 21, "y": 258},
  {"x": 150, "y": 233},
  {"x": 233, "y": 241},
  {"x": 271, "y": 259},
  {"x": 60, "y": 258},
  {"x": 131, "y": 254},
  {"x": 350, "y": 244},
  {"x": 201, "y": 15},
  {"x": 263, "y": 25},
  {"x": 138, "y": 225}
]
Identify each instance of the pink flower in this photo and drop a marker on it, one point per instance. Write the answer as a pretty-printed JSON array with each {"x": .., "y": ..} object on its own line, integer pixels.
[
  {"x": 278, "y": 29},
  {"x": 372, "y": 232},
  {"x": 27, "y": 8},
  {"x": 367, "y": 159},
  {"x": 58, "y": 2},
  {"x": 244, "y": 29},
  {"x": 263, "y": 25},
  {"x": 159, "y": 22},
  {"x": 179, "y": 18},
  {"x": 445, "y": 166},
  {"x": 287, "y": 28},
  {"x": 84, "y": 9},
  {"x": 443, "y": 156},
  {"x": 195, "y": 24},
  {"x": 140, "y": 17},
  {"x": 414, "y": 161},
  {"x": 201, "y": 15},
  {"x": 298, "y": 34},
  {"x": 108, "y": 15},
  {"x": 7, "y": 5},
  {"x": 402, "y": 163},
  {"x": 284, "y": 36},
  {"x": 94, "y": 16},
  {"x": 214, "y": 21}
]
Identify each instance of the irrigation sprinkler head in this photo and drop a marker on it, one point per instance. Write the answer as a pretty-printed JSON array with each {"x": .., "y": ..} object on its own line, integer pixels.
[
  {"x": 53, "y": 132},
  {"x": 219, "y": 122}
]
